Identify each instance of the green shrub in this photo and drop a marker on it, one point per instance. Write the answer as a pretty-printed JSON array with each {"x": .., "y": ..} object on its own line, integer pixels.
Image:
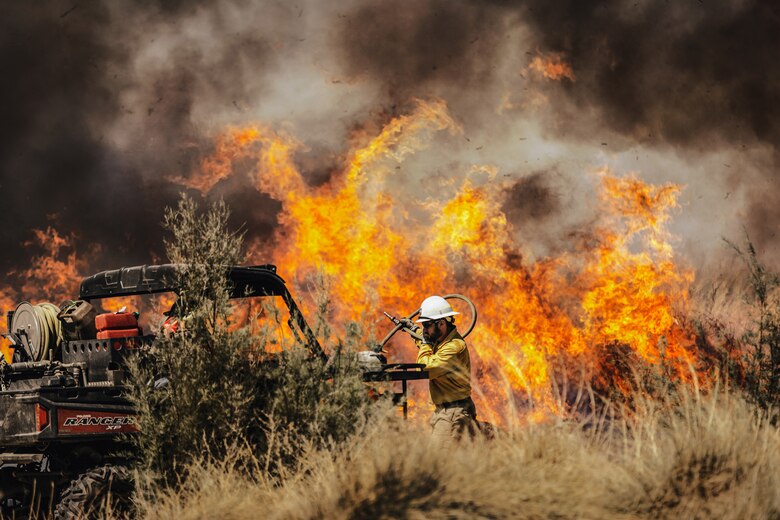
[{"x": 213, "y": 387}]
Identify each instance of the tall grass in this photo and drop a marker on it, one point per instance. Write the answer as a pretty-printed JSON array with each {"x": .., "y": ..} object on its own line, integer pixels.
[
  {"x": 707, "y": 457},
  {"x": 747, "y": 355}
]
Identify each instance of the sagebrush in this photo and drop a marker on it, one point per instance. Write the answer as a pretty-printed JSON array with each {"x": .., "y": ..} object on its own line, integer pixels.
[{"x": 214, "y": 387}]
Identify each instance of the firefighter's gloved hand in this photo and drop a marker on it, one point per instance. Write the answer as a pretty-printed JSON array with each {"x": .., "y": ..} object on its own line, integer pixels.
[{"x": 408, "y": 324}]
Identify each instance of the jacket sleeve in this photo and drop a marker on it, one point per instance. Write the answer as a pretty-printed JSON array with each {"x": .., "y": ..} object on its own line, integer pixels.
[{"x": 444, "y": 360}]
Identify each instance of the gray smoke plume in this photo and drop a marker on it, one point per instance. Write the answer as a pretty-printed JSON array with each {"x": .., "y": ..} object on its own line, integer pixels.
[{"x": 103, "y": 103}]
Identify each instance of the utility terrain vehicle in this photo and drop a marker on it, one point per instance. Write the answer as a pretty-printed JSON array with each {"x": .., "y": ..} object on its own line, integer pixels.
[{"x": 64, "y": 415}]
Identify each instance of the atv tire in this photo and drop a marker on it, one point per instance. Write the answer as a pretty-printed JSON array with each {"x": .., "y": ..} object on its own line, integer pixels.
[{"x": 88, "y": 495}]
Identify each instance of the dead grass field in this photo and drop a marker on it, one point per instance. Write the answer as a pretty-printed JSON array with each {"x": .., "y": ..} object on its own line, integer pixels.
[{"x": 712, "y": 456}]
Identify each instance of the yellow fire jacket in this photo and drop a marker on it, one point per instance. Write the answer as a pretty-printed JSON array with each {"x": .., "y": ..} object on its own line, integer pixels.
[{"x": 449, "y": 368}]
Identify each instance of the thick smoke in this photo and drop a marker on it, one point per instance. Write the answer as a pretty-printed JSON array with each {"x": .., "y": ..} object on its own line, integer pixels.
[
  {"x": 55, "y": 99},
  {"x": 697, "y": 77},
  {"x": 105, "y": 103},
  {"x": 684, "y": 73},
  {"x": 99, "y": 107},
  {"x": 413, "y": 47},
  {"x": 668, "y": 85}
]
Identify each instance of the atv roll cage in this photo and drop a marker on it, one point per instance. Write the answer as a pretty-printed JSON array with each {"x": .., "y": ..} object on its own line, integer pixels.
[{"x": 257, "y": 280}]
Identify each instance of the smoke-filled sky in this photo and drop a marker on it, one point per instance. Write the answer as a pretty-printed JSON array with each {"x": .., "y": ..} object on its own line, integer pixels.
[{"x": 103, "y": 103}]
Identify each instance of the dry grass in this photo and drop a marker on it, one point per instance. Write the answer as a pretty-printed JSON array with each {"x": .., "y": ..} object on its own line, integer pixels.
[
  {"x": 707, "y": 457},
  {"x": 710, "y": 457},
  {"x": 679, "y": 456}
]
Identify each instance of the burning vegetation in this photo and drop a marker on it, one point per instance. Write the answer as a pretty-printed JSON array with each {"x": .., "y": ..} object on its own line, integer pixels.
[
  {"x": 595, "y": 319},
  {"x": 380, "y": 249},
  {"x": 614, "y": 303},
  {"x": 619, "y": 290}
]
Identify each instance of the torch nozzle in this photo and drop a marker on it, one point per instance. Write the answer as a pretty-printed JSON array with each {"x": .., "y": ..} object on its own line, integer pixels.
[{"x": 392, "y": 318}]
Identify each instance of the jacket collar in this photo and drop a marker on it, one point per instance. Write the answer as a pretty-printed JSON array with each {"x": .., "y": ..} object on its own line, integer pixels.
[{"x": 449, "y": 337}]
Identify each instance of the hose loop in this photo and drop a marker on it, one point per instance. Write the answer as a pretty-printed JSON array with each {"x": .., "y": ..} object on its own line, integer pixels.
[
  {"x": 417, "y": 336},
  {"x": 51, "y": 329},
  {"x": 43, "y": 330}
]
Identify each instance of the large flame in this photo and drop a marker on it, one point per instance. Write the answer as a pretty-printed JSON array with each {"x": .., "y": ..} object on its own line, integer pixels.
[
  {"x": 54, "y": 274},
  {"x": 386, "y": 247}
]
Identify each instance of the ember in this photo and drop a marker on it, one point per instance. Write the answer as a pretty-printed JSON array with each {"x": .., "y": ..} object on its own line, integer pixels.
[{"x": 552, "y": 67}]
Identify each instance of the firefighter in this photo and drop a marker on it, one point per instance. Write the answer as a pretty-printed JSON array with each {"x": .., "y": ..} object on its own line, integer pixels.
[{"x": 446, "y": 358}]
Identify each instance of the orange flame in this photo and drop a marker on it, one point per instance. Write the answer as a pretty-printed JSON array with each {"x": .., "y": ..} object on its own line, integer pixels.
[
  {"x": 53, "y": 275},
  {"x": 384, "y": 248},
  {"x": 631, "y": 302},
  {"x": 552, "y": 67},
  {"x": 131, "y": 303},
  {"x": 8, "y": 302},
  {"x": 6, "y": 349}
]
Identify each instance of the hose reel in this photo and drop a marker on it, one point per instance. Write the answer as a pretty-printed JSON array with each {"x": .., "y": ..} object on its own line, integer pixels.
[{"x": 35, "y": 330}]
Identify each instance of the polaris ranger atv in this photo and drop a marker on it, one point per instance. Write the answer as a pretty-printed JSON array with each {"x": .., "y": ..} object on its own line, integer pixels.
[{"x": 63, "y": 410}]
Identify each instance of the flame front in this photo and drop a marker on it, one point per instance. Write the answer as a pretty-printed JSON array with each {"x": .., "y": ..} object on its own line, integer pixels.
[
  {"x": 384, "y": 245},
  {"x": 386, "y": 248}
]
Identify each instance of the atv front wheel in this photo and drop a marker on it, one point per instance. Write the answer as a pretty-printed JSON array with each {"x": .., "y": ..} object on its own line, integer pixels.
[{"x": 94, "y": 492}]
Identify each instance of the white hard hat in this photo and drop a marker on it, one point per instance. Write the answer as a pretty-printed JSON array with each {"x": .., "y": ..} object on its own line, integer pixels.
[{"x": 434, "y": 308}]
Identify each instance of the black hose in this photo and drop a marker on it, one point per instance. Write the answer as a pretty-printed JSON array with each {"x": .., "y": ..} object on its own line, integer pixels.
[{"x": 413, "y": 334}]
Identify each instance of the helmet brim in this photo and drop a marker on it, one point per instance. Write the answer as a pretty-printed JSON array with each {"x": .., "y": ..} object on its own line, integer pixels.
[{"x": 423, "y": 319}]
